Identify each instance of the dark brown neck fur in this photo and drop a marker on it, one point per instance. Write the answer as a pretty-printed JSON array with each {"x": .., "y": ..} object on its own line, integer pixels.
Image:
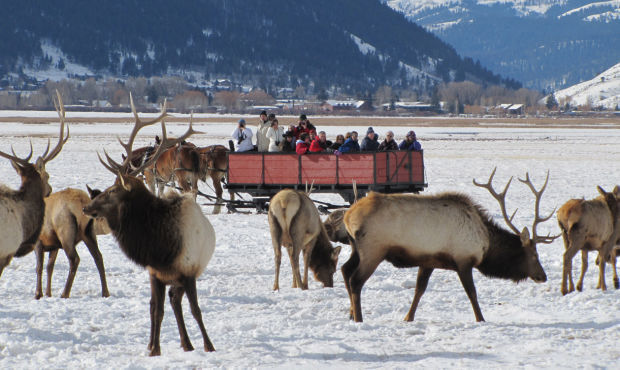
[{"x": 143, "y": 228}]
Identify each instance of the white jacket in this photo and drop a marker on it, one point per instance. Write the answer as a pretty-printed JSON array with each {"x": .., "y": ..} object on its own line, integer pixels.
[
  {"x": 246, "y": 139},
  {"x": 262, "y": 141},
  {"x": 275, "y": 137}
]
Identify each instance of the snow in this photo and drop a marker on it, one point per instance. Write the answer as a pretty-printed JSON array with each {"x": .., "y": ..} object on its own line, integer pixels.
[
  {"x": 528, "y": 325},
  {"x": 364, "y": 47},
  {"x": 614, "y": 4},
  {"x": 601, "y": 91}
]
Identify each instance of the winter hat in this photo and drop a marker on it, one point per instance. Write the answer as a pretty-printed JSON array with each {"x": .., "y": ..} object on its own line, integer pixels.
[
  {"x": 411, "y": 134},
  {"x": 272, "y": 116},
  {"x": 242, "y": 121},
  {"x": 302, "y": 117},
  {"x": 263, "y": 112},
  {"x": 370, "y": 131}
]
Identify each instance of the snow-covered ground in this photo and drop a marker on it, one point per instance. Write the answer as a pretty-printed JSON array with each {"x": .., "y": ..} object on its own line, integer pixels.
[{"x": 528, "y": 325}]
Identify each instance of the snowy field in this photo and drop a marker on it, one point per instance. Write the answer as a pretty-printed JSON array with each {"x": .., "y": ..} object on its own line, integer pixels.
[{"x": 528, "y": 324}]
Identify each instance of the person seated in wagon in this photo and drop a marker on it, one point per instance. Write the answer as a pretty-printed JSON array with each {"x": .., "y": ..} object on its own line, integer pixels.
[
  {"x": 410, "y": 142},
  {"x": 243, "y": 135}
]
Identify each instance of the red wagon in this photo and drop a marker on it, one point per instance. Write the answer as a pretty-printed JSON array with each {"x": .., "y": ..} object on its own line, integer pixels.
[{"x": 263, "y": 174}]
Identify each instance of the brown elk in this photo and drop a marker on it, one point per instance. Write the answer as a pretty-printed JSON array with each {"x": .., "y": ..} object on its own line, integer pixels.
[
  {"x": 168, "y": 236},
  {"x": 295, "y": 223},
  {"x": 22, "y": 211},
  {"x": 446, "y": 231},
  {"x": 64, "y": 226},
  {"x": 334, "y": 226},
  {"x": 588, "y": 225},
  {"x": 213, "y": 164}
]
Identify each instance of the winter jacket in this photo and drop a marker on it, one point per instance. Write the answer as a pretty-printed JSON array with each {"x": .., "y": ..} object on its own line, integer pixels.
[
  {"x": 308, "y": 129},
  {"x": 262, "y": 141},
  {"x": 275, "y": 137},
  {"x": 287, "y": 147},
  {"x": 369, "y": 145},
  {"x": 302, "y": 147},
  {"x": 349, "y": 146},
  {"x": 335, "y": 146},
  {"x": 318, "y": 146},
  {"x": 385, "y": 145},
  {"x": 243, "y": 138},
  {"x": 415, "y": 145}
]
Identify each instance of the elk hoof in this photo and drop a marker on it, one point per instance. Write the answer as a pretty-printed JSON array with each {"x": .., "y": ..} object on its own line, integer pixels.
[
  {"x": 616, "y": 284},
  {"x": 408, "y": 318},
  {"x": 209, "y": 347},
  {"x": 38, "y": 295},
  {"x": 580, "y": 287},
  {"x": 188, "y": 347},
  {"x": 105, "y": 294},
  {"x": 155, "y": 352}
]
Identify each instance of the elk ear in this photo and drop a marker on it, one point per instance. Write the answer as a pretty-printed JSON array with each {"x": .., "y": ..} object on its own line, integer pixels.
[
  {"x": 39, "y": 164},
  {"x": 16, "y": 167},
  {"x": 601, "y": 190},
  {"x": 616, "y": 190},
  {"x": 90, "y": 191},
  {"x": 336, "y": 253},
  {"x": 525, "y": 236}
]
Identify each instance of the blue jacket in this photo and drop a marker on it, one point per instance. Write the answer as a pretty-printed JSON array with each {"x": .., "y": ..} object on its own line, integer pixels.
[
  {"x": 415, "y": 145},
  {"x": 349, "y": 146}
]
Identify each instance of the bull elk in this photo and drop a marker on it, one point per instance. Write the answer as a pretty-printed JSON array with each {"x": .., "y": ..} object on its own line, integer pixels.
[
  {"x": 64, "y": 226},
  {"x": 446, "y": 231},
  {"x": 168, "y": 236},
  {"x": 22, "y": 211},
  {"x": 295, "y": 223},
  {"x": 589, "y": 225}
]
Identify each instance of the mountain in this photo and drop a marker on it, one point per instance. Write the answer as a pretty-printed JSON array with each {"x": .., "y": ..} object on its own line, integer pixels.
[
  {"x": 545, "y": 44},
  {"x": 356, "y": 45},
  {"x": 603, "y": 91}
]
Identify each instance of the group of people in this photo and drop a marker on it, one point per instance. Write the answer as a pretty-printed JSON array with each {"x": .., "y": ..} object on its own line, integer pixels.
[{"x": 303, "y": 138}]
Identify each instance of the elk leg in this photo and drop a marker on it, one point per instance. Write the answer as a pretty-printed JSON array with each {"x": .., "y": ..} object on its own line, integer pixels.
[
  {"x": 176, "y": 295},
  {"x": 584, "y": 268},
  {"x": 74, "y": 261},
  {"x": 357, "y": 281},
  {"x": 348, "y": 268},
  {"x": 4, "y": 262},
  {"x": 192, "y": 297},
  {"x": 601, "y": 273},
  {"x": 276, "y": 240},
  {"x": 158, "y": 292},
  {"x": 293, "y": 255},
  {"x": 571, "y": 286},
  {"x": 575, "y": 243},
  {"x": 91, "y": 243},
  {"x": 467, "y": 279},
  {"x": 613, "y": 265},
  {"x": 51, "y": 261},
  {"x": 424, "y": 274},
  {"x": 307, "y": 254},
  {"x": 38, "y": 250}
]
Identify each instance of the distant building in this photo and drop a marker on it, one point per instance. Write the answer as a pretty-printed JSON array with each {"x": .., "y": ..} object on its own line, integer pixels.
[
  {"x": 346, "y": 105},
  {"x": 407, "y": 106}
]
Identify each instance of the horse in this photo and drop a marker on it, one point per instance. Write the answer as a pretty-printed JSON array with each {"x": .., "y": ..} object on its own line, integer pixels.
[
  {"x": 213, "y": 164},
  {"x": 180, "y": 163}
]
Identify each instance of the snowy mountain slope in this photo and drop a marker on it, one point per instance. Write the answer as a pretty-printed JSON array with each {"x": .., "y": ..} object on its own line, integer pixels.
[
  {"x": 601, "y": 91},
  {"x": 545, "y": 44}
]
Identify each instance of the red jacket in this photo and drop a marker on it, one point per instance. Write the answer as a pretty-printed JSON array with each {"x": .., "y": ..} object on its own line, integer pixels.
[
  {"x": 302, "y": 147},
  {"x": 316, "y": 145}
]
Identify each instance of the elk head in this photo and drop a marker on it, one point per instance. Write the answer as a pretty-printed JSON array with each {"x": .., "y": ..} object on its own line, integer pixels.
[
  {"x": 27, "y": 170},
  {"x": 529, "y": 241},
  {"x": 127, "y": 185}
]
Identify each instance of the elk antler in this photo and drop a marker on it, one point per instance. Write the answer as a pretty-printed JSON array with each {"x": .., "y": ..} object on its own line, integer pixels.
[
  {"x": 45, "y": 157},
  {"x": 537, "y": 219},
  {"x": 125, "y": 167},
  {"x": 60, "y": 109},
  {"x": 501, "y": 198}
]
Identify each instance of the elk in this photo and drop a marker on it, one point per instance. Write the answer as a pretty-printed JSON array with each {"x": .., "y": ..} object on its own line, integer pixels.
[
  {"x": 446, "y": 231},
  {"x": 213, "y": 164},
  {"x": 334, "y": 226},
  {"x": 295, "y": 223},
  {"x": 22, "y": 211},
  {"x": 64, "y": 226},
  {"x": 168, "y": 236},
  {"x": 588, "y": 225}
]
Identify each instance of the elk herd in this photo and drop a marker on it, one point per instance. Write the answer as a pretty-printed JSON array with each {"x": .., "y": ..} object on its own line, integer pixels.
[{"x": 171, "y": 238}]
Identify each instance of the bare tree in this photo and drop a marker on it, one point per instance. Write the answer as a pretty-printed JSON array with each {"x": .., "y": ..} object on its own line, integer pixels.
[{"x": 228, "y": 99}]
